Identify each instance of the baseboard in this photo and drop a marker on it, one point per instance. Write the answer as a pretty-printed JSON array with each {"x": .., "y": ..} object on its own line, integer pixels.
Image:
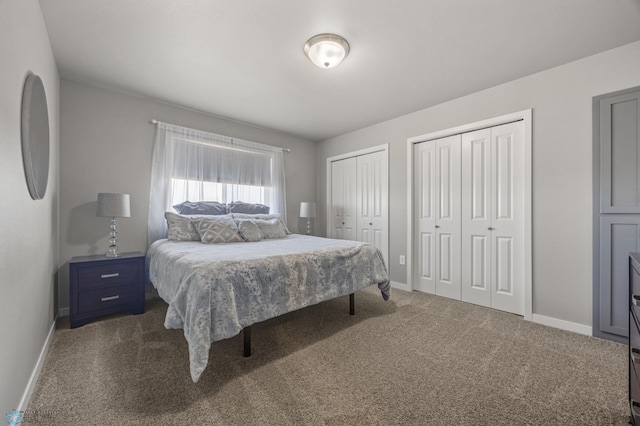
[
  {"x": 562, "y": 324},
  {"x": 400, "y": 286},
  {"x": 539, "y": 319},
  {"x": 31, "y": 384},
  {"x": 64, "y": 312}
]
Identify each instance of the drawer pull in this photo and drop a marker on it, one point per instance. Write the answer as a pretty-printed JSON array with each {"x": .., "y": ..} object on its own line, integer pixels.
[
  {"x": 117, "y": 274},
  {"x": 106, "y": 299}
]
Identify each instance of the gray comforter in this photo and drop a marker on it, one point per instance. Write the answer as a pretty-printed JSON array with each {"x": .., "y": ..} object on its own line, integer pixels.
[{"x": 215, "y": 290}]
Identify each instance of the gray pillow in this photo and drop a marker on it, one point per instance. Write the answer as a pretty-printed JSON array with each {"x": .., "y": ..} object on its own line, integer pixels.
[
  {"x": 201, "y": 208},
  {"x": 240, "y": 216},
  {"x": 217, "y": 229},
  {"x": 249, "y": 230},
  {"x": 247, "y": 208},
  {"x": 272, "y": 228},
  {"x": 180, "y": 228}
]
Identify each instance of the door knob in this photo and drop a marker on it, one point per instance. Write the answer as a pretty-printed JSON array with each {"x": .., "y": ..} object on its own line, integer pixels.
[{"x": 370, "y": 223}]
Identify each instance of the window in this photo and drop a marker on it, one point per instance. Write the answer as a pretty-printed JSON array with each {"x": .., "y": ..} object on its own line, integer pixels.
[
  {"x": 193, "y": 190},
  {"x": 193, "y": 165}
]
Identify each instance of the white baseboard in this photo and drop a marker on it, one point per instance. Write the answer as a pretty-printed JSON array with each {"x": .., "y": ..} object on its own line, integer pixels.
[
  {"x": 64, "y": 312},
  {"x": 31, "y": 384},
  {"x": 562, "y": 324},
  {"x": 400, "y": 286},
  {"x": 539, "y": 319}
]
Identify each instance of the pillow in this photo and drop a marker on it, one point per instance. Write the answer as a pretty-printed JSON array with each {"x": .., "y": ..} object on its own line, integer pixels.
[
  {"x": 180, "y": 228},
  {"x": 240, "y": 216},
  {"x": 247, "y": 208},
  {"x": 272, "y": 228},
  {"x": 249, "y": 231},
  {"x": 217, "y": 229},
  {"x": 201, "y": 208}
]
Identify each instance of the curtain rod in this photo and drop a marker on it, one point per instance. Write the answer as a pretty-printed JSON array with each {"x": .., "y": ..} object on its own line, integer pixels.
[{"x": 154, "y": 121}]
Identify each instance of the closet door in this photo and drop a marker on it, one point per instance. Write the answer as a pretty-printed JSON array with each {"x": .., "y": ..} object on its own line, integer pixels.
[
  {"x": 507, "y": 217},
  {"x": 476, "y": 217},
  {"x": 493, "y": 217},
  {"x": 372, "y": 196},
  {"x": 447, "y": 215},
  {"x": 424, "y": 243},
  {"x": 437, "y": 185},
  {"x": 343, "y": 199}
]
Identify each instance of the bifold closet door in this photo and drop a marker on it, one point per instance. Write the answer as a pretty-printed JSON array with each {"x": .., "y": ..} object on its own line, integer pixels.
[
  {"x": 437, "y": 189},
  {"x": 493, "y": 217},
  {"x": 372, "y": 198},
  {"x": 343, "y": 199}
]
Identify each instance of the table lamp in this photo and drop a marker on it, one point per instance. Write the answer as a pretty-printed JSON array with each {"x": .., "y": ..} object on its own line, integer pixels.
[{"x": 113, "y": 205}]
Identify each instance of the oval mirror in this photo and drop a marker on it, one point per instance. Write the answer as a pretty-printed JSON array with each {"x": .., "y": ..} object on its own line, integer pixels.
[{"x": 35, "y": 136}]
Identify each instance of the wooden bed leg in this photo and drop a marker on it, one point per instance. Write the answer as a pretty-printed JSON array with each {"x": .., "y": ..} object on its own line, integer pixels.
[
  {"x": 352, "y": 302},
  {"x": 246, "y": 333}
]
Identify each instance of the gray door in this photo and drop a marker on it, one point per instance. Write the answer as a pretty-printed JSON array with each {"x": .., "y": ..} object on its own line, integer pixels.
[{"x": 617, "y": 213}]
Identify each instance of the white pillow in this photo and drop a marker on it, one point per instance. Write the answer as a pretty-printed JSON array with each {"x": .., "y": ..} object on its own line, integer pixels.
[
  {"x": 272, "y": 228},
  {"x": 241, "y": 216},
  {"x": 217, "y": 229},
  {"x": 249, "y": 230},
  {"x": 180, "y": 228}
]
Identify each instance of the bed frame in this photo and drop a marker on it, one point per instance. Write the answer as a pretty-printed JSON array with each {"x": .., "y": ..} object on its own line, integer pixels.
[{"x": 246, "y": 332}]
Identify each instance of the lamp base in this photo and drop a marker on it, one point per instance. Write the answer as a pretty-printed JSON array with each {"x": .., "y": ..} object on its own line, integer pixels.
[{"x": 113, "y": 240}]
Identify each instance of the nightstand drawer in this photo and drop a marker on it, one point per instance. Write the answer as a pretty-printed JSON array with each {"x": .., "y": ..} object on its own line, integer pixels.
[
  {"x": 107, "y": 298},
  {"x": 108, "y": 275}
]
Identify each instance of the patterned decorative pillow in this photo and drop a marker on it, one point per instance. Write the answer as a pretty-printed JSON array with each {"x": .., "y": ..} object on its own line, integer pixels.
[
  {"x": 248, "y": 208},
  {"x": 201, "y": 208},
  {"x": 217, "y": 229},
  {"x": 180, "y": 228},
  {"x": 249, "y": 230},
  {"x": 241, "y": 216},
  {"x": 272, "y": 228}
]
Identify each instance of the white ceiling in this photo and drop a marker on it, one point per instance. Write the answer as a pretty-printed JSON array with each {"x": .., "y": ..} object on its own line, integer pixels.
[{"x": 244, "y": 60}]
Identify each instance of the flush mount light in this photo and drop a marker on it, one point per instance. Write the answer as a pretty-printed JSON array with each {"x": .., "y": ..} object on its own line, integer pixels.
[{"x": 326, "y": 50}]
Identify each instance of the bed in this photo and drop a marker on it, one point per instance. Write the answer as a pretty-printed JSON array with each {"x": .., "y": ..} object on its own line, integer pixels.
[{"x": 214, "y": 291}]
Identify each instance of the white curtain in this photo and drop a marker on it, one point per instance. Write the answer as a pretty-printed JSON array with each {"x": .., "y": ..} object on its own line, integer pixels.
[{"x": 192, "y": 165}]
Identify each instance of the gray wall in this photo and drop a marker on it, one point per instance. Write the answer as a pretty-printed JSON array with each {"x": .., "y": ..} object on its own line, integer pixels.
[
  {"x": 562, "y": 174},
  {"x": 28, "y": 228},
  {"x": 106, "y": 142}
]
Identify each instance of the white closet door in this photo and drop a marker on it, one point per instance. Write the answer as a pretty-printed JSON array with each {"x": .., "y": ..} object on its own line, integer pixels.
[
  {"x": 372, "y": 195},
  {"x": 493, "y": 217},
  {"x": 437, "y": 184},
  {"x": 424, "y": 183},
  {"x": 447, "y": 217},
  {"x": 507, "y": 210},
  {"x": 343, "y": 199},
  {"x": 476, "y": 217}
]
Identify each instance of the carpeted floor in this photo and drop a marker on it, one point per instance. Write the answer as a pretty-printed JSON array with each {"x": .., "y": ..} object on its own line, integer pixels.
[{"x": 415, "y": 360}]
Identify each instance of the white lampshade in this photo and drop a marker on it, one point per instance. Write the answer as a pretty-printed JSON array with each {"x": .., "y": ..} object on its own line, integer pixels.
[
  {"x": 326, "y": 50},
  {"x": 113, "y": 205},
  {"x": 307, "y": 209}
]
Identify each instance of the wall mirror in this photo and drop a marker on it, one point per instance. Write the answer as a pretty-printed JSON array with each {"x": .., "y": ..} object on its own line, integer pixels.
[{"x": 35, "y": 136}]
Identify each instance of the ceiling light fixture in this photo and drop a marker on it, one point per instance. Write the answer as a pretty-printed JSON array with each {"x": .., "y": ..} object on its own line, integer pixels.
[{"x": 326, "y": 50}]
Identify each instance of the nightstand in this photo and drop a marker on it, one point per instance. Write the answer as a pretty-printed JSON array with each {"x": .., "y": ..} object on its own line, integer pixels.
[{"x": 100, "y": 285}]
